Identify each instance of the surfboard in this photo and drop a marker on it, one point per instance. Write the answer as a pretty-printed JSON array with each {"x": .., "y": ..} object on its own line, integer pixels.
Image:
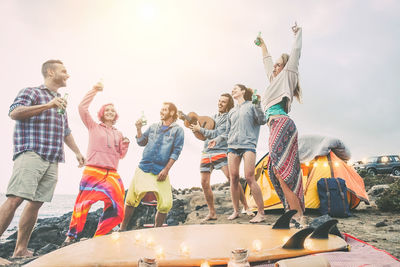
[{"x": 192, "y": 245}]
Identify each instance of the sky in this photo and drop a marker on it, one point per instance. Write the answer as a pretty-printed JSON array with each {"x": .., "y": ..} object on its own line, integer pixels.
[{"x": 190, "y": 52}]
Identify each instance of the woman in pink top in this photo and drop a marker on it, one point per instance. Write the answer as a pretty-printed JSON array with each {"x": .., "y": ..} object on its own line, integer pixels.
[{"x": 100, "y": 181}]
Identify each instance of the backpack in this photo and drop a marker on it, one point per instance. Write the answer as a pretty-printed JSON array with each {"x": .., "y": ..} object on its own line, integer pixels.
[{"x": 332, "y": 194}]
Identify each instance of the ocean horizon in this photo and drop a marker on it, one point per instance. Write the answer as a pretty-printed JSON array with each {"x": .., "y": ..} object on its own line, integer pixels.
[{"x": 59, "y": 205}]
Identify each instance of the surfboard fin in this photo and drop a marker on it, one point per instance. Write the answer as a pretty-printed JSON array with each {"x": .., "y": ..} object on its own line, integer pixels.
[
  {"x": 297, "y": 240},
  {"x": 322, "y": 231},
  {"x": 284, "y": 221}
]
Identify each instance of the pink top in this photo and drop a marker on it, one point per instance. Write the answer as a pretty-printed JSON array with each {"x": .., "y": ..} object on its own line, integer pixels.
[{"x": 105, "y": 143}]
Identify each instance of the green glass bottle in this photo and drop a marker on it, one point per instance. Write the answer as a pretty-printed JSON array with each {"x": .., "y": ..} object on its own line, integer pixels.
[
  {"x": 254, "y": 97},
  {"x": 61, "y": 111},
  {"x": 257, "y": 41},
  {"x": 143, "y": 119}
]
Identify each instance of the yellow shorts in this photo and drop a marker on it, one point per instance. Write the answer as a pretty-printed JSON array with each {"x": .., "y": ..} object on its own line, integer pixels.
[{"x": 144, "y": 182}]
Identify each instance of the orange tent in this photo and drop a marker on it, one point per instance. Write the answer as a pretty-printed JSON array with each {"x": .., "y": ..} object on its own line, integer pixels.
[{"x": 320, "y": 167}]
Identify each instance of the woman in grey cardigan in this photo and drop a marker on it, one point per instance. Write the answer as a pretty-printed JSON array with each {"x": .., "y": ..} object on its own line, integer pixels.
[
  {"x": 242, "y": 130},
  {"x": 284, "y": 165}
]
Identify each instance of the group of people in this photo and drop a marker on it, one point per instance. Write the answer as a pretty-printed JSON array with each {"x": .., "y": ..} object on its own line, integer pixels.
[{"x": 40, "y": 132}]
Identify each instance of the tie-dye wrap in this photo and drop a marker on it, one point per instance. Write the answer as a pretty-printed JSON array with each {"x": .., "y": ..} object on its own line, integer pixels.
[{"x": 98, "y": 184}]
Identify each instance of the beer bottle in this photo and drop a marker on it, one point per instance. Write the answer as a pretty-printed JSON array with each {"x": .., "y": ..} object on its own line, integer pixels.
[
  {"x": 257, "y": 41},
  {"x": 143, "y": 119},
  {"x": 254, "y": 97},
  {"x": 61, "y": 111},
  {"x": 239, "y": 258}
]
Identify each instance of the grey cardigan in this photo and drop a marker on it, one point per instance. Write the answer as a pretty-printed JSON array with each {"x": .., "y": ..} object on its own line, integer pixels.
[{"x": 243, "y": 126}]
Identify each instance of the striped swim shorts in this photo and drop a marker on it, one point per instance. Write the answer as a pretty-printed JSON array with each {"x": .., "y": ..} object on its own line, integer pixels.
[{"x": 213, "y": 161}]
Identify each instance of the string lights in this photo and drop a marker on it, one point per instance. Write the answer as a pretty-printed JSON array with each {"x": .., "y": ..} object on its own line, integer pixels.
[{"x": 184, "y": 249}]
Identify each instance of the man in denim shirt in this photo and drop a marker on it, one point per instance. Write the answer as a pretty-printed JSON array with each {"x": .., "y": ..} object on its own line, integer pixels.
[{"x": 163, "y": 143}]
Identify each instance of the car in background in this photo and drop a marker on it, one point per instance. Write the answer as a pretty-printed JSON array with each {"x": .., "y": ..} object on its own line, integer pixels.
[{"x": 380, "y": 165}]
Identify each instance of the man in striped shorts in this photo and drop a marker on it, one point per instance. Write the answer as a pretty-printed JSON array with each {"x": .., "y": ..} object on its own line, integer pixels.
[{"x": 216, "y": 157}]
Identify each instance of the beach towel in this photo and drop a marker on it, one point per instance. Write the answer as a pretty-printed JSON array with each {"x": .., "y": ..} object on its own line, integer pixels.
[{"x": 361, "y": 254}]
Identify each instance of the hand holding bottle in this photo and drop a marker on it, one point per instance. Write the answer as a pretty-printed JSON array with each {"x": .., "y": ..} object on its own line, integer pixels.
[
  {"x": 255, "y": 99},
  {"x": 295, "y": 28},
  {"x": 143, "y": 119},
  {"x": 63, "y": 105},
  {"x": 99, "y": 85},
  {"x": 257, "y": 41},
  {"x": 139, "y": 124}
]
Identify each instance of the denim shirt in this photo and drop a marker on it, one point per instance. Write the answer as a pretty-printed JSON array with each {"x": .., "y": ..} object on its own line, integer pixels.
[
  {"x": 243, "y": 126},
  {"x": 220, "y": 127},
  {"x": 160, "y": 146}
]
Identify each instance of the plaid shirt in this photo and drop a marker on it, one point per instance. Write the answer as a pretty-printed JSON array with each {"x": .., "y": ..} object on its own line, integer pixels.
[{"x": 43, "y": 133}]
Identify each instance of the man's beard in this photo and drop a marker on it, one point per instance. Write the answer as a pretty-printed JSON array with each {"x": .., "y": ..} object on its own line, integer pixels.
[
  {"x": 59, "y": 81},
  {"x": 166, "y": 117}
]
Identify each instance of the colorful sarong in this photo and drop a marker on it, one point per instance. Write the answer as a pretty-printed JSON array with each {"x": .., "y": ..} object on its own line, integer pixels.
[
  {"x": 98, "y": 184},
  {"x": 284, "y": 158}
]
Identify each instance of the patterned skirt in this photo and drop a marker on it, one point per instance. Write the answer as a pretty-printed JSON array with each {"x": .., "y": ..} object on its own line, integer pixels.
[{"x": 284, "y": 158}]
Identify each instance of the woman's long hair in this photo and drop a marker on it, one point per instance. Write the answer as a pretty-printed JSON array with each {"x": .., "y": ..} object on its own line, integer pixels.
[
  {"x": 231, "y": 104},
  {"x": 248, "y": 92},
  {"x": 297, "y": 89}
]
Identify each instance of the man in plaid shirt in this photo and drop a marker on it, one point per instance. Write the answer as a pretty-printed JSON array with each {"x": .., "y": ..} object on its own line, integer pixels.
[{"x": 39, "y": 137}]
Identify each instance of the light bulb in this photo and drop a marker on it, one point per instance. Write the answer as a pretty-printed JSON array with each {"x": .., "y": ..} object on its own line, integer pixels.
[
  {"x": 257, "y": 245},
  {"x": 138, "y": 237},
  {"x": 149, "y": 242},
  {"x": 159, "y": 252},
  {"x": 115, "y": 235},
  {"x": 184, "y": 249}
]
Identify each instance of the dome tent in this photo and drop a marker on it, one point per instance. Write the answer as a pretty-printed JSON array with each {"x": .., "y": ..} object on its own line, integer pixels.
[{"x": 320, "y": 157}]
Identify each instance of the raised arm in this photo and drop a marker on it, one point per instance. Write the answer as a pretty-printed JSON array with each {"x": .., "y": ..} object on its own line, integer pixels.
[
  {"x": 293, "y": 62},
  {"x": 267, "y": 59},
  {"x": 84, "y": 105},
  {"x": 141, "y": 138}
]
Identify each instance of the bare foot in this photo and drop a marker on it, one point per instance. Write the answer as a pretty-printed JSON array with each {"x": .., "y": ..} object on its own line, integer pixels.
[
  {"x": 210, "y": 217},
  {"x": 298, "y": 222},
  {"x": 259, "y": 218},
  {"x": 22, "y": 254},
  {"x": 249, "y": 213},
  {"x": 234, "y": 215},
  {"x": 68, "y": 241}
]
